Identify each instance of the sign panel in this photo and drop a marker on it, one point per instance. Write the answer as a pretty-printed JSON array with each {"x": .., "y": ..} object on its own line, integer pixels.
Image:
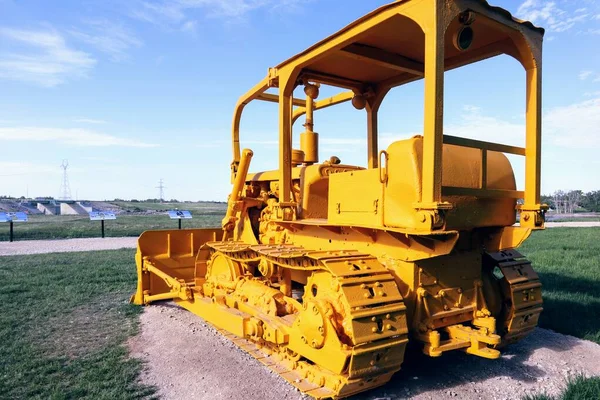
[
  {"x": 102, "y": 215},
  {"x": 177, "y": 214},
  {"x": 13, "y": 216}
]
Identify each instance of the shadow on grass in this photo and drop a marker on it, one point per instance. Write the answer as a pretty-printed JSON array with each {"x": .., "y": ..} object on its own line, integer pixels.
[
  {"x": 571, "y": 305},
  {"x": 554, "y": 282}
]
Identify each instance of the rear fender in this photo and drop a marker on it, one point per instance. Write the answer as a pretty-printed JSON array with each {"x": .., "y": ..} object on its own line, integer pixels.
[{"x": 173, "y": 252}]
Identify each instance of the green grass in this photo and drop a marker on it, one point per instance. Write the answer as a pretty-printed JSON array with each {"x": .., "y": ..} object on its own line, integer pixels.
[
  {"x": 64, "y": 323},
  {"x": 77, "y": 226},
  {"x": 568, "y": 262},
  {"x": 578, "y": 388},
  {"x": 66, "y": 317}
]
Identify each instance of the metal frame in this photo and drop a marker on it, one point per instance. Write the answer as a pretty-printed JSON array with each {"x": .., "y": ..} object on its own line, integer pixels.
[{"x": 523, "y": 43}]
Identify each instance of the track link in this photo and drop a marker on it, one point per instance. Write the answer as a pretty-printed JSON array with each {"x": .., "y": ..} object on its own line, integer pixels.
[
  {"x": 358, "y": 298},
  {"x": 521, "y": 292}
]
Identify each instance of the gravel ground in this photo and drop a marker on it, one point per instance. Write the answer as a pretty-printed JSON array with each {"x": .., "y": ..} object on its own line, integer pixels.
[
  {"x": 186, "y": 358},
  {"x": 65, "y": 245}
]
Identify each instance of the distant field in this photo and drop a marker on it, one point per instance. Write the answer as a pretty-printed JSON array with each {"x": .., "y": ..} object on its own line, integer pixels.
[
  {"x": 203, "y": 208},
  {"x": 79, "y": 226}
]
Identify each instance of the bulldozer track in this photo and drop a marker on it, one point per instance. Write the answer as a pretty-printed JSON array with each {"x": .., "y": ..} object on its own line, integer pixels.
[
  {"x": 368, "y": 308},
  {"x": 521, "y": 294}
]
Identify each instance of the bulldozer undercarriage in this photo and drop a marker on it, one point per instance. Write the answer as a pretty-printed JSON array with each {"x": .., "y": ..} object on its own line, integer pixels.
[{"x": 343, "y": 328}]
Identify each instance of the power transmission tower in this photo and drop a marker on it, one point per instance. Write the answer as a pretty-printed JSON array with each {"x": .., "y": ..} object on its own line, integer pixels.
[
  {"x": 161, "y": 190},
  {"x": 65, "y": 189}
]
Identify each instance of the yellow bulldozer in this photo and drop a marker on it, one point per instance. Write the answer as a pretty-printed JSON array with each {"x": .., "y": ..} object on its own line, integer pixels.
[{"x": 324, "y": 271}]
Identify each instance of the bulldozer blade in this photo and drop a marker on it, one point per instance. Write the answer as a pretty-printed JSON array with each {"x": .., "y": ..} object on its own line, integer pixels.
[{"x": 165, "y": 262}]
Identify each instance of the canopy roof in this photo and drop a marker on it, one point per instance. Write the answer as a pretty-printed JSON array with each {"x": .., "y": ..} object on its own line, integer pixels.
[{"x": 392, "y": 51}]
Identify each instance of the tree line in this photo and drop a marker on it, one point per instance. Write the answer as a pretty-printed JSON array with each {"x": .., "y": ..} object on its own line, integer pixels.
[{"x": 563, "y": 202}]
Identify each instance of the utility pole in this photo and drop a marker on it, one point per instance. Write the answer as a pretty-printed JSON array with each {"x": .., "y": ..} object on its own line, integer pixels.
[
  {"x": 65, "y": 189},
  {"x": 161, "y": 190}
]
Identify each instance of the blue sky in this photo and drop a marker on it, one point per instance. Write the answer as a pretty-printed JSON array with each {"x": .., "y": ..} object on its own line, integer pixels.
[{"x": 132, "y": 92}]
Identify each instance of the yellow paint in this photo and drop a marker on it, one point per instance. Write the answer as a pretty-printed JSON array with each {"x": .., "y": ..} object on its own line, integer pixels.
[{"x": 322, "y": 269}]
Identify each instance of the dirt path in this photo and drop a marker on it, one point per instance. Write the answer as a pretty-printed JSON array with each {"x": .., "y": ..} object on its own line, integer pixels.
[
  {"x": 65, "y": 245},
  {"x": 186, "y": 358}
]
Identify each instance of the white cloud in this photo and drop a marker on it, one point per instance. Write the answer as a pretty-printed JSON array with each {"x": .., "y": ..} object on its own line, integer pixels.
[
  {"x": 343, "y": 141},
  {"x": 588, "y": 74},
  {"x": 89, "y": 121},
  {"x": 40, "y": 57},
  {"x": 583, "y": 75},
  {"x": 549, "y": 14},
  {"x": 71, "y": 136},
  {"x": 175, "y": 12},
  {"x": 15, "y": 168},
  {"x": 189, "y": 27},
  {"x": 575, "y": 126},
  {"x": 474, "y": 124},
  {"x": 471, "y": 108},
  {"x": 110, "y": 38}
]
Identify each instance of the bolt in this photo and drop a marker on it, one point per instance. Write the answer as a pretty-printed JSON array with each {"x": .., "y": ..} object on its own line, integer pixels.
[
  {"x": 373, "y": 319},
  {"x": 363, "y": 286},
  {"x": 374, "y": 330},
  {"x": 388, "y": 327},
  {"x": 367, "y": 295},
  {"x": 388, "y": 316}
]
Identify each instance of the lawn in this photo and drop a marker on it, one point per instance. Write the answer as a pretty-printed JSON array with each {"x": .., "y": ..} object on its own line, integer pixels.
[
  {"x": 66, "y": 317},
  {"x": 64, "y": 323},
  {"x": 568, "y": 261},
  {"x": 77, "y": 226}
]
